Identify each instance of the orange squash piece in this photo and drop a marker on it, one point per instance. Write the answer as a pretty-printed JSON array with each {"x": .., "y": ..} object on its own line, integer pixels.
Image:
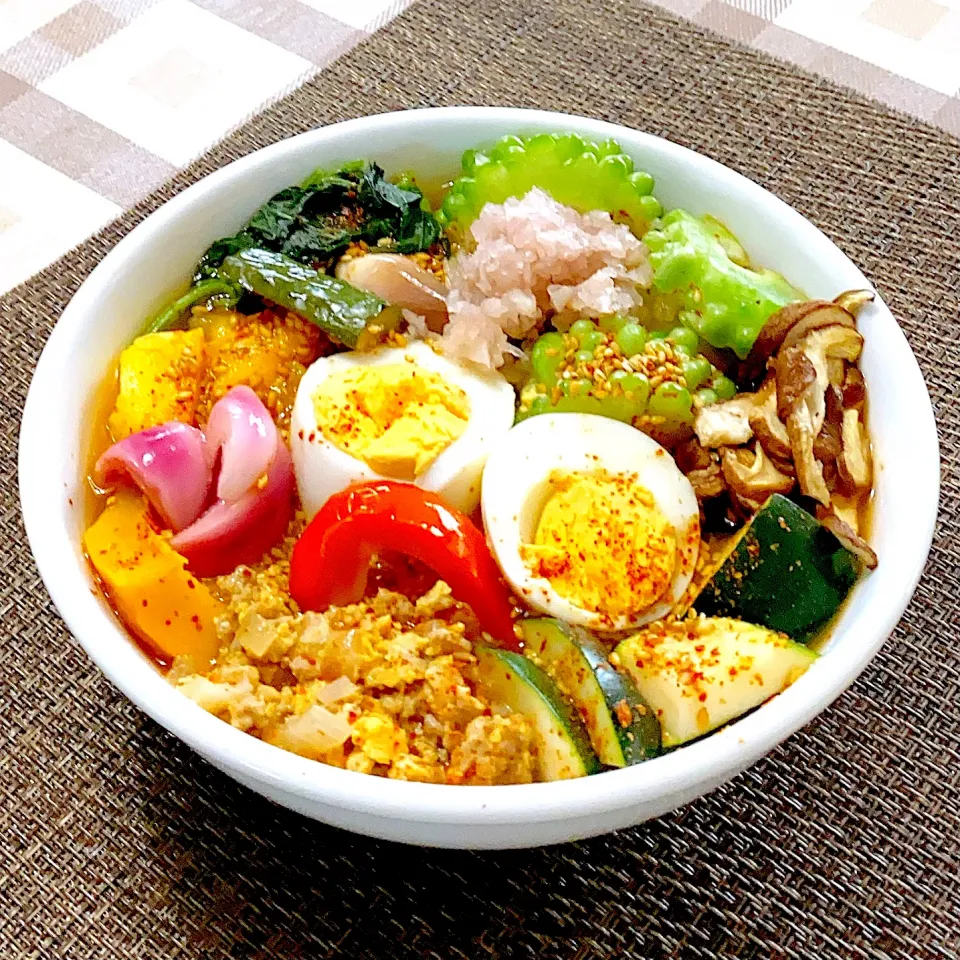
[
  {"x": 159, "y": 380},
  {"x": 148, "y": 583},
  {"x": 265, "y": 351}
]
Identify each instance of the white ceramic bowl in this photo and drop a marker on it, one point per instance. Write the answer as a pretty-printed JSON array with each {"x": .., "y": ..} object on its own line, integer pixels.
[{"x": 158, "y": 256}]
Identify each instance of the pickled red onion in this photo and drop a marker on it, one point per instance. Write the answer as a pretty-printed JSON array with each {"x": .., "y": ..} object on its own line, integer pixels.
[
  {"x": 233, "y": 532},
  {"x": 241, "y": 429},
  {"x": 169, "y": 464}
]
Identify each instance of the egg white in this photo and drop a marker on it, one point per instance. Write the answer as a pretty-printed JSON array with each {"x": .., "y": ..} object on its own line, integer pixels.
[
  {"x": 323, "y": 469},
  {"x": 516, "y": 484}
]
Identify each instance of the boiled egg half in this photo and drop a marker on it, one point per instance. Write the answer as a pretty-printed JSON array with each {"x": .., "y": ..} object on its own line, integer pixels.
[
  {"x": 590, "y": 520},
  {"x": 399, "y": 413}
]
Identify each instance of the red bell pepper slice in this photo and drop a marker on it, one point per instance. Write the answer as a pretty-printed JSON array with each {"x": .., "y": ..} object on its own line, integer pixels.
[{"x": 332, "y": 557}]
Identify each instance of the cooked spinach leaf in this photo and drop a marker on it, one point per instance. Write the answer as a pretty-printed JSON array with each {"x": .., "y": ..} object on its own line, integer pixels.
[
  {"x": 219, "y": 251},
  {"x": 316, "y": 221}
]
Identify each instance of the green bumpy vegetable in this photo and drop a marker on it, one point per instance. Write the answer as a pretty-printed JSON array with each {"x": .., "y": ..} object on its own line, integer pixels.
[
  {"x": 349, "y": 316},
  {"x": 723, "y": 301},
  {"x": 615, "y": 368},
  {"x": 575, "y": 172}
]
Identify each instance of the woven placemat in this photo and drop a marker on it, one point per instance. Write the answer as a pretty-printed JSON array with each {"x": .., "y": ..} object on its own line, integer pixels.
[{"x": 116, "y": 841}]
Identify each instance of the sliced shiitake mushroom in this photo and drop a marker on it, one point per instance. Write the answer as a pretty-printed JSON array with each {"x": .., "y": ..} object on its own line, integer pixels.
[
  {"x": 707, "y": 482},
  {"x": 796, "y": 399},
  {"x": 851, "y": 540},
  {"x": 836, "y": 371},
  {"x": 828, "y": 445},
  {"x": 854, "y": 461},
  {"x": 792, "y": 322},
  {"x": 853, "y": 388},
  {"x": 802, "y": 383},
  {"x": 831, "y": 476},
  {"x": 702, "y": 469},
  {"x": 767, "y": 427},
  {"x": 689, "y": 455},
  {"x": 825, "y": 316},
  {"x": 752, "y": 476},
  {"x": 833, "y": 401},
  {"x": 831, "y": 342},
  {"x": 725, "y": 424},
  {"x": 845, "y": 508},
  {"x": 786, "y": 467},
  {"x": 794, "y": 375},
  {"x": 809, "y": 469},
  {"x": 854, "y": 300},
  {"x": 819, "y": 347},
  {"x": 771, "y": 336},
  {"x": 401, "y": 282},
  {"x": 737, "y": 421}
]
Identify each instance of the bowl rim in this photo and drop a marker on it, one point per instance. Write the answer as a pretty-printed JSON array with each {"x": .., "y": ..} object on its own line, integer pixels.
[{"x": 687, "y": 771}]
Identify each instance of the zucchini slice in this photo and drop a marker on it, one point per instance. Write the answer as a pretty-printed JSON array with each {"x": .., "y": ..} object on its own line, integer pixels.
[
  {"x": 784, "y": 571},
  {"x": 512, "y": 679},
  {"x": 622, "y": 727},
  {"x": 701, "y": 673}
]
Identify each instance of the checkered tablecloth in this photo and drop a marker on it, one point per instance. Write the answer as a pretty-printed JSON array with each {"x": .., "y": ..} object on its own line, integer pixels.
[
  {"x": 101, "y": 101},
  {"x": 904, "y": 53}
]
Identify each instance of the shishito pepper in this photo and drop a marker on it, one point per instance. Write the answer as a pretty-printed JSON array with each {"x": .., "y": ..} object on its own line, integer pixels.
[
  {"x": 330, "y": 561},
  {"x": 343, "y": 312},
  {"x": 350, "y": 316},
  {"x": 725, "y": 302}
]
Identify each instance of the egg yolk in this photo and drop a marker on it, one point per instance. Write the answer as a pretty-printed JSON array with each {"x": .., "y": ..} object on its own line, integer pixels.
[
  {"x": 396, "y": 418},
  {"x": 603, "y": 544}
]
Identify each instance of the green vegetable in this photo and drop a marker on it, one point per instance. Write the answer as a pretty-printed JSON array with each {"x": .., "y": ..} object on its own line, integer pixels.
[
  {"x": 702, "y": 673},
  {"x": 575, "y": 172},
  {"x": 340, "y": 310},
  {"x": 547, "y": 355},
  {"x": 721, "y": 233},
  {"x": 631, "y": 338},
  {"x": 723, "y": 301},
  {"x": 622, "y": 727},
  {"x": 784, "y": 570},
  {"x": 725, "y": 388},
  {"x": 696, "y": 371},
  {"x": 582, "y": 328},
  {"x": 612, "y": 324},
  {"x": 316, "y": 221},
  {"x": 672, "y": 402},
  {"x": 514, "y": 681},
  {"x": 216, "y": 287},
  {"x": 573, "y": 372},
  {"x": 685, "y": 340},
  {"x": 313, "y": 224}
]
